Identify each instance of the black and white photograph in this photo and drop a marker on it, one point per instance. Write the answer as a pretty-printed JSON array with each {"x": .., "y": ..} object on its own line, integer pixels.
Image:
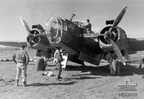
[{"x": 71, "y": 49}]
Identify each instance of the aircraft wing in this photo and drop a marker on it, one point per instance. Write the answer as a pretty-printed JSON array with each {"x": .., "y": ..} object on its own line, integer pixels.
[
  {"x": 12, "y": 43},
  {"x": 136, "y": 44},
  {"x": 91, "y": 35}
]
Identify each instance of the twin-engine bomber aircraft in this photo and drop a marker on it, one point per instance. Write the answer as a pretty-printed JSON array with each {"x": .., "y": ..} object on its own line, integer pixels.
[{"x": 111, "y": 43}]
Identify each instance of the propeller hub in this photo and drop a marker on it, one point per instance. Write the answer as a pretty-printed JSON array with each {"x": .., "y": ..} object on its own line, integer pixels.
[
  {"x": 32, "y": 38},
  {"x": 113, "y": 35}
]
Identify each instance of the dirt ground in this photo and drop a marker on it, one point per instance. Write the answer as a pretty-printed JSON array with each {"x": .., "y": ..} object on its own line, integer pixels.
[{"x": 89, "y": 82}]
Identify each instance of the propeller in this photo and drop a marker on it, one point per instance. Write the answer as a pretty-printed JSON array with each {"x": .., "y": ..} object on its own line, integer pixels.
[
  {"x": 108, "y": 35},
  {"x": 115, "y": 47},
  {"x": 33, "y": 38},
  {"x": 25, "y": 25}
]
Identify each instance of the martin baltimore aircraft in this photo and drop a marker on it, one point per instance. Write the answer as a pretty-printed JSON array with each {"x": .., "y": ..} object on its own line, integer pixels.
[{"x": 111, "y": 43}]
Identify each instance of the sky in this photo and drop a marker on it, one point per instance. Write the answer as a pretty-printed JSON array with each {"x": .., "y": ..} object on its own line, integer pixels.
[{"x": 39, "y": 11}]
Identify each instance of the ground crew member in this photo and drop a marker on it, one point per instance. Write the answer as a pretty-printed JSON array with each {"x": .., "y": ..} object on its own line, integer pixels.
[
  {"x": 58, "y": 59},
  {"x": 21, "y": 58},
  {"x": 141, "y": 63},
  {"x": 88, "y": 26}
]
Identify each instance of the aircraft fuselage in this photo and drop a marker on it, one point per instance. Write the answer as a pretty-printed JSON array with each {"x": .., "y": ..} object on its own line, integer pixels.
[{"x": 63, "y": 33}]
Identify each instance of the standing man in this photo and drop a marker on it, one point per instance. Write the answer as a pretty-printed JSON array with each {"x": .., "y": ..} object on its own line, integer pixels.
[
  {"x": 21, "y": 58},
  {"x": 141, "y": 63},
  {"x": 58, "y": 59},
  {"x": 88, "y": 26}
]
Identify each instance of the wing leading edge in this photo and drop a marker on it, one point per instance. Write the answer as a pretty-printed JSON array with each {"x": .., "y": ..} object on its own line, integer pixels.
[{"x": 12, "y": 43}]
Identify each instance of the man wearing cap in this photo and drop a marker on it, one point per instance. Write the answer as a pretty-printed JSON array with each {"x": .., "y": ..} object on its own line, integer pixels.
[
  {"x": 21, "y": 58},
  {"x": 88, "y": 26}
]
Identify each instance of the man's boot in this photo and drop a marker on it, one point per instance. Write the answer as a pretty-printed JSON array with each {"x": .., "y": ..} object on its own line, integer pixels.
[
  {"x": 24, "y": 84},
  {"x": 59, "y": 78},
  {"x": 17, "y": 81}
]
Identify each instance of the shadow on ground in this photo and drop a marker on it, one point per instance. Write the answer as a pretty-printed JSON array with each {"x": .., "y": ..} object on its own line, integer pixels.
[
  {"x": 104, "y": 70},
  {"x": 80, "y": 77},
  {"x": 130, "y": 70},
  {"x": 47, "y": 84}
]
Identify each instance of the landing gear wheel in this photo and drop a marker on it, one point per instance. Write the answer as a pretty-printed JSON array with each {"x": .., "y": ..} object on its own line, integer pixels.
[
  {"x": 115, "y": 67},
  {"x": 40, "y": 64}
]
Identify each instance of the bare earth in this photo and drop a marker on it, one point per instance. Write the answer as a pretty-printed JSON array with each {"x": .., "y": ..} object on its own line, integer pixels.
[{"x": 89, "y": 82}]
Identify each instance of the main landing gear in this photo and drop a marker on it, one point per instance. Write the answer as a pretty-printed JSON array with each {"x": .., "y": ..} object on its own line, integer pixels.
[
  {"x": 115, "y": 67},
  {"x": 40, "y": 64}
]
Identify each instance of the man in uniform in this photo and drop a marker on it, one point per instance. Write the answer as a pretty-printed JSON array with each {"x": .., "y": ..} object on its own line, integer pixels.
[
  {"x": 21, "y": 58},
  {"x": 58, "y": 59},
  {"x": 88, "y": 26}
]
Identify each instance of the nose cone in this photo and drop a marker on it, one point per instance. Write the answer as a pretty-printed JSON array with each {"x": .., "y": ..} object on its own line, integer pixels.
[{"x": 54, "y": 30}]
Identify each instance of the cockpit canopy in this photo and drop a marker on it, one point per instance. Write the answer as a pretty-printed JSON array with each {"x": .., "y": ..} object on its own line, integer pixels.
[
  {"x": 61, "y": 30},
  {"x": 54, "y": 29}
]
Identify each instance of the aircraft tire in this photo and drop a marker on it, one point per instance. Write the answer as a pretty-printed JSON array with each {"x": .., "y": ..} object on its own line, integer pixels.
[
  {"x": 115, "y": 67},
  {"x": 40, "y": 65},
  {"x": 118, "y": 68}
]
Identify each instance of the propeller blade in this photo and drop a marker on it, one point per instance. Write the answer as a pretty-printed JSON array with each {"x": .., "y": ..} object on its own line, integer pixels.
[
  {"x": 118, "y": 53},
  {"x": 25, "y": 25},
  {"x": 118, "y": 19}
]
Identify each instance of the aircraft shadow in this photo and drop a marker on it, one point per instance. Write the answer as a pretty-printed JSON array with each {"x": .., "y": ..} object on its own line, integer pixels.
[
  {"x": 131, "y": 70},
  {"x": 102, "y": 70},
  {"x": 80, "y": 77},
  {"x": 105, "y": 71},
  {"x": 47, "y": 84}
]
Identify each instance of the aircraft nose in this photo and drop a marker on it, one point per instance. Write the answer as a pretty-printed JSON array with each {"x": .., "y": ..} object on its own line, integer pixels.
[{"x": 53, "y": 30}]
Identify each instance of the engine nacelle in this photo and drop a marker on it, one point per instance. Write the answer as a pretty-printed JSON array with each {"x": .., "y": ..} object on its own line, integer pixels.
[
  {"x": 117, "y": 35},
  {"x": 32, "y": 39},
  {"x": 37, "y": 40}
]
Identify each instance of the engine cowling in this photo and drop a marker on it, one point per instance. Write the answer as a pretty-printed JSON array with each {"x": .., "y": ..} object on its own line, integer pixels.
[
  {"x": 32, "y": 39},
  {"x": 117, "y": 35},
  {"x": 37, "y": 40}
]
